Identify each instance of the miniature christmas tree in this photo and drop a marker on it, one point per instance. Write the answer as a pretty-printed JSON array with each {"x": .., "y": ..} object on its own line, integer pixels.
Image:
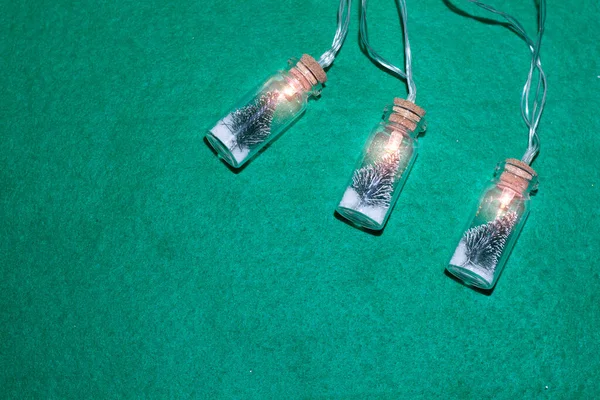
[
  {"x": 251, "y": 125},
  {"x": 483, "y": 244},
  {"x": 374, "y": 183}
]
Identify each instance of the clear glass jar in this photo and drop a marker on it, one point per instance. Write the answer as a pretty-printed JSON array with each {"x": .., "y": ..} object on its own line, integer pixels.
[
  {"x": 382, "y": 169},
  {"x": 489, "y": 237},
  {"x": 265, "y": 113}
]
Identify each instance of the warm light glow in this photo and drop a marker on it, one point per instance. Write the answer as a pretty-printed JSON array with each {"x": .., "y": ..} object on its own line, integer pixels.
[
  {"x": 394, "y": 143},
  {"x": 288, "y": 92},
  {"x": 506, "y": 198}
]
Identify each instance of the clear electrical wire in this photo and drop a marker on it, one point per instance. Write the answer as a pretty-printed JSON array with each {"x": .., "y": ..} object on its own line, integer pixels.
[
  {"x": 341, "y": 32},
  {"x": 364, "y": 37},
  {"x": 531, "y": 106}
]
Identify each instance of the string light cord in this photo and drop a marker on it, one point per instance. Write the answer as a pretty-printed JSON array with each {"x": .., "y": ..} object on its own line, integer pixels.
[
  {"x": 378, "y": 59},
  {"x": 531, "y": 106},
  {"x": 343, "y": 18}
]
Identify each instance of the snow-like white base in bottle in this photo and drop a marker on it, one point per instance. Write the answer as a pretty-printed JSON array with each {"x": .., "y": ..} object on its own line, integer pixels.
[
  {"x": 470, "y": 273},
  {"x": 351, "y": 201},
  {"x": 222, "y": 132}
]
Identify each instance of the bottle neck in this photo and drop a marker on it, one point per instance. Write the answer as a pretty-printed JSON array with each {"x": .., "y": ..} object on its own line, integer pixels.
[
  {"x": 405, "y": 118},
  {"x": 517, "y": 176},
  {"x": 306, "y": 76}
]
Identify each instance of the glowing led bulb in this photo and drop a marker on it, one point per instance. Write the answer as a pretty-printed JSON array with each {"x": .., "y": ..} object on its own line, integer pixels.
[
  {"x": 505, "y": 199},
  {"x": 265, "y": 113},
  {"x": 394, "y": 144},
  {"x": 383, "y": 167},
  {"x": 288, "y": 92},
  {"x": 491, "y": 234}
]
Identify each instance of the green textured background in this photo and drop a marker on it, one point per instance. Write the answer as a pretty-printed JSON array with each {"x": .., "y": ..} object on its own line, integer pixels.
[{"x": 135, "y": 264}]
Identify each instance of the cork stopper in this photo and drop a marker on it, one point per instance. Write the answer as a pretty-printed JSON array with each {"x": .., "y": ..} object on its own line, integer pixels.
[
  {"x": 407, "y": 115},
  {"x": 313, "y": 66},
  {"x": 403, "y": 121},
  {"x": 407, "y": 105},
  {"x": 517, "y": 175},
  {"x": 308, "y": 73}
]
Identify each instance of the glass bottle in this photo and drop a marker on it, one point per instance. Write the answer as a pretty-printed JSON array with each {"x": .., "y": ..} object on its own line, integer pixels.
[
  {"x": 265, "y": 113},
  {"x": 490, "y": 236},
  {"x": 385, "y": 163}
]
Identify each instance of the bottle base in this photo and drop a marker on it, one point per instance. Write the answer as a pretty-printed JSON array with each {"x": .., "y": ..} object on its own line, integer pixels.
[
  {"x": 359, "y": 219},
  {"x": 470, "y": 277},
  {"x": 369, "y": 217},
  {"x": 222, "y": 150}
]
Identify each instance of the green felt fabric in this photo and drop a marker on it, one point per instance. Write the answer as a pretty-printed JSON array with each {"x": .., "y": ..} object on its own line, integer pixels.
[{"x": 135, "y": 264}]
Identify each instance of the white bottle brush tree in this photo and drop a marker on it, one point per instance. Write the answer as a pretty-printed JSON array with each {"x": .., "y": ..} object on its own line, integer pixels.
[
  {"x": 482, "y": 246},
  {"x": 374, "y": 183},
  {"x": 251, "y": 125}
]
